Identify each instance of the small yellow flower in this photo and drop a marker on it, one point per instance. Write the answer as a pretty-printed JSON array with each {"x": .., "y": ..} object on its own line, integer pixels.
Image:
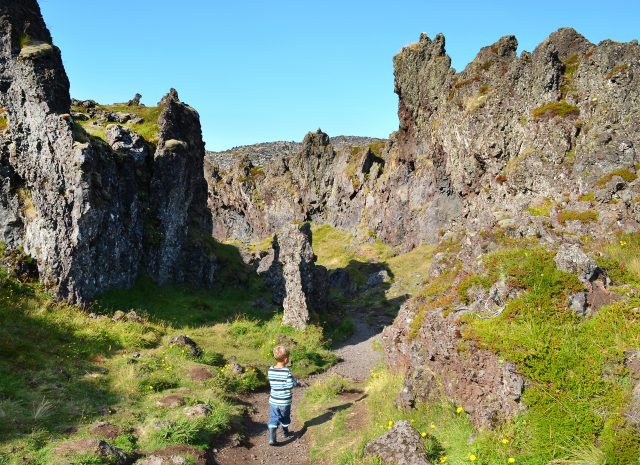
[
  {"x": 423, "y": 434},
  {"x": 511, "y": 460},
  {"x": 623, "y": 243},
  {"x": 472, "y": 457},
  {"x": 412, "y": 420},
  {"x": 459, "y": 410},
  {"x": 443, "y": 459},
  {"x": 432, "y": 426},
  {"x": 504, "y": 441}
]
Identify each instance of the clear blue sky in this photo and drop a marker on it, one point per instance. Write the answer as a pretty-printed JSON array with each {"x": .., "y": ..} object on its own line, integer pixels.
[{"x": 261, "y": 70}]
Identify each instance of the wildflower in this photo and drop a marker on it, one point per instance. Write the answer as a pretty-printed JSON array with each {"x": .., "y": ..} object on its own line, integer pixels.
[
  {"x": 432, "y": 426},
  {"x": 423, "y": 434},
  {"x": 390, "y": 423},
  {"x": 412, "y": 420},
  {"x": 459, "y": 410},
  {"x": 472, "y": 457},
  {"x": 511, "y": 460},
  {"x": 623, "y": 243},
  {"x": 504, "y": 441},
  {"x": 443, "y": 459}
]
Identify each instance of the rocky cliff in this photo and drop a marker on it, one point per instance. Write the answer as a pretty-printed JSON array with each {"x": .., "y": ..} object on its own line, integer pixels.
[
  {"x": 554, "y": 129},
  {"x": 91, "y": 214}
]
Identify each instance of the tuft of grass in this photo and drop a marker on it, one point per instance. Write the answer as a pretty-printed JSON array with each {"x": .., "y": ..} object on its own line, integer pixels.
[
  {"x": 624, "y": 173},
  {"x": 555, "y": 109},
  {"x": 588, "y": 216}
]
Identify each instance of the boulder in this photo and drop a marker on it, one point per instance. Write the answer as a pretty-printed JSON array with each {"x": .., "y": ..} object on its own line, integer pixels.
[
  {"x": 186, "y": 342},
  {"x": 571, "y": 258},
  {"x": 377, "y": 278},
  {"x": 135, "y": 101},
  {"x": 171, "y": 401},
  {"x": 123, "y": 140},
  {"x": 198, "y": 410},
  {"x": 401, "y": 445}
]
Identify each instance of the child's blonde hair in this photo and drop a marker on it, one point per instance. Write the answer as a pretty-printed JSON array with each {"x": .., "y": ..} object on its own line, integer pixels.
[{"x": 280, "y": 353}]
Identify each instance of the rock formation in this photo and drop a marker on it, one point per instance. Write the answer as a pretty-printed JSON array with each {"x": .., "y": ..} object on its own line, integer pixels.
[
  {"x": 92, "y": 214},
  {"x": 296, "y": 282},
  {"x": 553, "y": 130}
]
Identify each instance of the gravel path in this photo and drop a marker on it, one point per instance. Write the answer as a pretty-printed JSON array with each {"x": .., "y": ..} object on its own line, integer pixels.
[{"x": 358, "y": 358}]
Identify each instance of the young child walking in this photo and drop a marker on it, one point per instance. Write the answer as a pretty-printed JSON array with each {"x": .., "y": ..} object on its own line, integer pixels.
[{"x": 282, "y": 382}]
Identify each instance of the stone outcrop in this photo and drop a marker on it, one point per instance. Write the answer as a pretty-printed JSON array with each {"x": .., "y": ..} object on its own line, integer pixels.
[
  {"x": 440, "y": 363},
  {"x": 289, "y": 269},
  {"x": 401, "y": 445},
  {"x": 91, "y": 214}
]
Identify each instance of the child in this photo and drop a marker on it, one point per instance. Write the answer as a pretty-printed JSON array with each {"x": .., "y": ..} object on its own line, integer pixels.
[{"x": 282, "y": 382}]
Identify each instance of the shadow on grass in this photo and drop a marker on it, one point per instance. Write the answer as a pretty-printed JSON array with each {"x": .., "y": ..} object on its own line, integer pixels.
[
  {"x": 238, "y": 291},
  {"x": 48, "y": 377},
  {"x": 353, "y": 290}
]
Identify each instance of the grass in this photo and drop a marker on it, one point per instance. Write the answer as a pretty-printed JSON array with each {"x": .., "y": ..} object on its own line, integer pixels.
[
  {"x": 342, "y": 439},
  {"x": 622, "y": 261},
  {"x": 336, "y": 248},
  {"x": 148, "y": 129},
  {"x": 624, "y": 173},
  {"x": 61, "y": 370},
  {"x": 588, "y": 216},
  {"x": 570, "y": 400},
  {"x": 555, "y": 109}
]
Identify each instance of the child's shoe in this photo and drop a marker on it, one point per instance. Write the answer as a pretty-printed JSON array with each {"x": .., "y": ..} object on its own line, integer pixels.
[
  {"x": 286, "y": 432},
  {"x": 272, "y": 436}
]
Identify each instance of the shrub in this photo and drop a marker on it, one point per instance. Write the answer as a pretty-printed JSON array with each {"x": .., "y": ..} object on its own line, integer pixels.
[{"x": 553, "y": 109}]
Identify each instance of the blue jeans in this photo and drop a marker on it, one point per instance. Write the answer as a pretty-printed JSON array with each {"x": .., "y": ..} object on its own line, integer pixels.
[{"x": 279, "y": 415}]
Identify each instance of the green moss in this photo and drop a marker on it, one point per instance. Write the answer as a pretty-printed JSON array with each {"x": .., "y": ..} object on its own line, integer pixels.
[
  {"x": 624, "y": 173},
  {"x": 555, "y": 109},
  {"x": 588, "y": 197},
  {"x": 542, "y": 208},
  {"x": 588, "y": 216},
  {"x": 4, "y": 122}
]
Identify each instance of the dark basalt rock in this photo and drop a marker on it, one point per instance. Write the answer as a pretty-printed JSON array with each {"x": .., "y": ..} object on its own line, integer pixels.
[{"x": 89, "y": 216}]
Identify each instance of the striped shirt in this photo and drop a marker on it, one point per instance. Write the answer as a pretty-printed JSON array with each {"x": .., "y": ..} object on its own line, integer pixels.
[{"x": 281, "y": 381}]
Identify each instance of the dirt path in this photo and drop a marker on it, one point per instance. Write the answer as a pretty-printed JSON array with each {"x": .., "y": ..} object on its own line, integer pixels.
[{"x": 357, "y": 357}]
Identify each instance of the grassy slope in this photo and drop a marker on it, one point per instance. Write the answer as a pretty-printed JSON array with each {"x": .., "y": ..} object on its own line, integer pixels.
[
  {"x": 148, "y": 129},
  {"x": 578, "y": 383},
  {"x": 337, "y": 248},
  {"x": 61, "y": 371}
]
